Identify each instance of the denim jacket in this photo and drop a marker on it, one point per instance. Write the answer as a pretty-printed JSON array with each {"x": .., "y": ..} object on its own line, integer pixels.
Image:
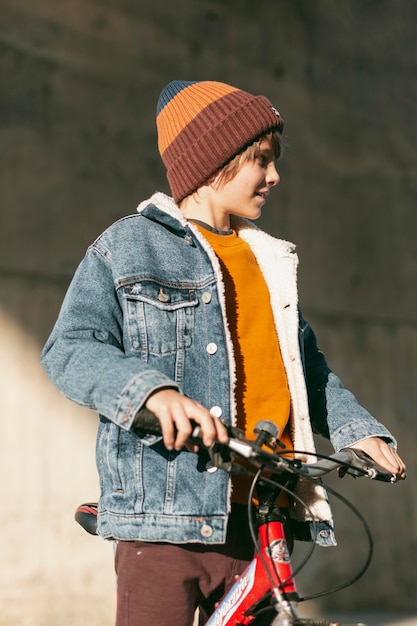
[{"x": 146, "y": 310}]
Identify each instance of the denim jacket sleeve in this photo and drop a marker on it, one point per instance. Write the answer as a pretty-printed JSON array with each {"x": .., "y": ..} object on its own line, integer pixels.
[
  {"x": 334, "y": 410},
  {"x": 84, "y": 355}
]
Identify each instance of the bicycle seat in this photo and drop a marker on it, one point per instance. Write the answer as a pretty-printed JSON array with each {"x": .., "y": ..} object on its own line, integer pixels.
[{"x": 86, "y": 516}]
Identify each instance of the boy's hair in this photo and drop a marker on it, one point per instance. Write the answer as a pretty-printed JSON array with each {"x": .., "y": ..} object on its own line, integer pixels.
[
  {"x": 251, "y": 153},
  {"x": 202, "y": 125}
]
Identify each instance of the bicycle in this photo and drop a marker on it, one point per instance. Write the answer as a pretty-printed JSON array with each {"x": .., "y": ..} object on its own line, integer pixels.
[{"x": 265, "y": 593}]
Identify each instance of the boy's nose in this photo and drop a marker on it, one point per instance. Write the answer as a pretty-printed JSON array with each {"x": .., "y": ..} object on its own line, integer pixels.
[{"x": 272, "y": 177}]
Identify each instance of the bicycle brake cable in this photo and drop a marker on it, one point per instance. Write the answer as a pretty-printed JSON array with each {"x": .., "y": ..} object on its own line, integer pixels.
[
  {"x": 368, "y": 559},
  {"x": 255, "y": 540},
  {"x": 313, "y": 546},
  {"x": 361, "y": 519},
  {"x": 309, "y": 554}
]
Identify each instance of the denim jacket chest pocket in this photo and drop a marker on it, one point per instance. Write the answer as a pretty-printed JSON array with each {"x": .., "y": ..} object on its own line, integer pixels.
[{"x": 159, "y": 316}]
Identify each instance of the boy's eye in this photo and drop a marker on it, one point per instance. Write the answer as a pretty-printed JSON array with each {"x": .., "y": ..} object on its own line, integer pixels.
[{"x": 263, "y": 160}]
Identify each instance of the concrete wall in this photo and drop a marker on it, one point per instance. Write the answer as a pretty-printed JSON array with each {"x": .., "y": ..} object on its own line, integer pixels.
[{"x": 80, "y": 82}]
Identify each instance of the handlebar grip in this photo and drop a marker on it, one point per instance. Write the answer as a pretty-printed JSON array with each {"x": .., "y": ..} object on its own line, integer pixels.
[{"x": 147, "y": 421}]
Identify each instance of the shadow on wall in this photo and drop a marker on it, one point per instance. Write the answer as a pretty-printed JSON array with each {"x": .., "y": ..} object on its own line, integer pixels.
[{"x": 52, "y": 571}]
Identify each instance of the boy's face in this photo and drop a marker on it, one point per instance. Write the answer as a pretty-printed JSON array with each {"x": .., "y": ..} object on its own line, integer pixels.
[{"x": 246, "y": 193}]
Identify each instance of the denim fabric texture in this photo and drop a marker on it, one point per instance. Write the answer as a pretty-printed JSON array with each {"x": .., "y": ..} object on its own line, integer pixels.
[{"x": 146, "y": 310}]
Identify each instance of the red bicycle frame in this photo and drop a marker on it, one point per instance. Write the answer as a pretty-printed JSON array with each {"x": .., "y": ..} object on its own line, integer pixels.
[{"x": 268, "y": 577}]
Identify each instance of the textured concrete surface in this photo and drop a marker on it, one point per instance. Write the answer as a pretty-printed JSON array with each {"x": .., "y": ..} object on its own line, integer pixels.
[
  {"x": 80, "y": 81},
  {"x": 374, "y": 618}
]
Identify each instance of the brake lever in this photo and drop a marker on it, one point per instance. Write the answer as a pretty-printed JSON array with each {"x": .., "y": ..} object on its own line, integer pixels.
[
  {"x": 220, "y": 455},
  {"x": 364, "y": 465}
]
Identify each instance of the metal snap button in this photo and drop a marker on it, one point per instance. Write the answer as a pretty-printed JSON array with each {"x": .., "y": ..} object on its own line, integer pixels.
[
  {"x": 211, "y": 347},
  {"x": 189, "y": 239},
  {"x": 206, "y": 531},
  {"x": 216, "y": 411},
  {"x": 162, "y": 296},
  {"x": 206, "y": 297}
]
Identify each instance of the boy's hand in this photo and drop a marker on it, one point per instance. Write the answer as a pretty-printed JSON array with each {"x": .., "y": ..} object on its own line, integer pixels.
[
  {"x": 383, "y": 455},
  {"x": 175, "y": 413}
]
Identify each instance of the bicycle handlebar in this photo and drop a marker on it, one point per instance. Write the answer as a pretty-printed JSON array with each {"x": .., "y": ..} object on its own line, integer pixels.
[{"x": 347, "y": 460}]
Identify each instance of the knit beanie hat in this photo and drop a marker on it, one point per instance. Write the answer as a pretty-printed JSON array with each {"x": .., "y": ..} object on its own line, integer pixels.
[{"x": 203, "y": 124}]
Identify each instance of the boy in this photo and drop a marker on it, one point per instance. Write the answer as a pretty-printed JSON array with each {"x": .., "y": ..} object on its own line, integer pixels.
[{"x": 191, "y": 312}]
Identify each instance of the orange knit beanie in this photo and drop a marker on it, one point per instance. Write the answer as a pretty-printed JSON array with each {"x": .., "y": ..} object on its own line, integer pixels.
[{"x": 203, "y": 124}]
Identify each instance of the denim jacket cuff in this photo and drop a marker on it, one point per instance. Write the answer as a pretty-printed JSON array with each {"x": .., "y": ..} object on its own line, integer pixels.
[
  {"x": 358, "y": 431},
  {"x": 136, "y": 393},
  {"x": 321, "y": 532}
]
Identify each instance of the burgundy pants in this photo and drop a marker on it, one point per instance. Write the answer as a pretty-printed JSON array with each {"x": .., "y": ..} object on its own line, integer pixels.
[{"x": 161, "y": 584}]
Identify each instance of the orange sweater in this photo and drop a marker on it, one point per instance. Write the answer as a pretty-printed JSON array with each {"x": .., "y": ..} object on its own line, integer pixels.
[{"x": 261, "y": 390}]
